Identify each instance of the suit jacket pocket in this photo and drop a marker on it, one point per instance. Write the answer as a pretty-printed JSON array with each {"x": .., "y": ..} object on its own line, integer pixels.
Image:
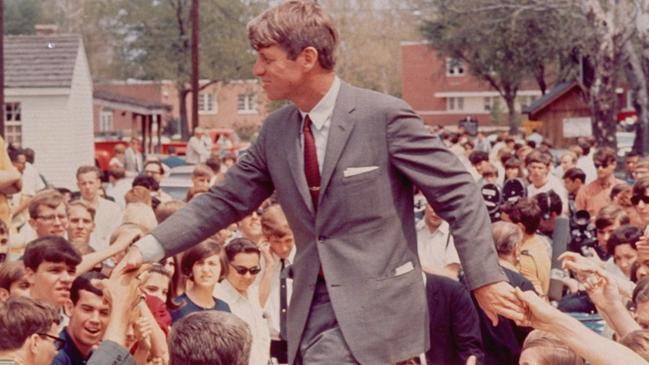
[{"x": 364, "y": 176}]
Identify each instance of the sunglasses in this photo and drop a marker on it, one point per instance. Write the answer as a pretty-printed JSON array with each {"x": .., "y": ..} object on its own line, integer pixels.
[
  {"x": 601, "y": 165},
  {"x": 243, "y": 270},
  {"x": 58, "y": 342},
  {"x": 635, "y": 200}
]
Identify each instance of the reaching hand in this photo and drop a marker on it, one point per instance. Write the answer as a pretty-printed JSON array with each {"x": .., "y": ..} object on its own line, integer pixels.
[
  {"x": 643, "y": 247},
  {"x": 132, "y": 261},
  {"x": 582, "y": 266},
  {"x": 471, "y": 360},
  {"x": 499, "y": 299},
  {"x": 538, "y": 314},
  {"x": 602, "y": 290},
  {"x": 269, "y": 260}
]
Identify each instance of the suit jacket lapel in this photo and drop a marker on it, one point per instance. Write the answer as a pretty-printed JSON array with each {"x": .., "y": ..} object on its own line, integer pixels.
[
  {"x": 339, "y": 131},
  {"x": 293, "y": 153}
]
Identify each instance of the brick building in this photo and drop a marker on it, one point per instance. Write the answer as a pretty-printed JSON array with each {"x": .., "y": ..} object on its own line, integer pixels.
[
  {"x": 230, "y": 105},
  {"x": 443, "y": 91}
]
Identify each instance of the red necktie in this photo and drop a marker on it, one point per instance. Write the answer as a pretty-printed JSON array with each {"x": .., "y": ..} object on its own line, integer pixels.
[{"x": 311, "y": 170}]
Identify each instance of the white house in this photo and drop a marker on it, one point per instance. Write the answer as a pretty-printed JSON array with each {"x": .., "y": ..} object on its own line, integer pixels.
[{"x": 48, "y": 103}]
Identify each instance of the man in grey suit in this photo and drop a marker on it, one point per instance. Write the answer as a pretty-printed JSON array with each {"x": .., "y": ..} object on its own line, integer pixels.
[{"x": 343, "y": 162}]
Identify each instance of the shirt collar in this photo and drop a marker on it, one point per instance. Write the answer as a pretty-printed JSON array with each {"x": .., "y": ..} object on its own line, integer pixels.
[{"x": 325, "y": 107}]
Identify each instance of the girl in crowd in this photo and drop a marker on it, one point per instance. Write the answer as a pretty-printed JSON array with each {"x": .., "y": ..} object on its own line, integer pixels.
[{"x": 203, "y": 267}]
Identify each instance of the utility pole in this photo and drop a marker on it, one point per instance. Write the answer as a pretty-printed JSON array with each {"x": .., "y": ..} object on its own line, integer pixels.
[
  {"x": 2, "y": 70},
  {"x": 195, "y": 20}
]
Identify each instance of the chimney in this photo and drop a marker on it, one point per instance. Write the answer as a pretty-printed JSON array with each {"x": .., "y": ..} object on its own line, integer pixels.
[{"x": 46, "y": 29}]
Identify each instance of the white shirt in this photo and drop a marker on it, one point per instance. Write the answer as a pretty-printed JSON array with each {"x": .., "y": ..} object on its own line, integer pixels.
[
  {"x": 433, "y": 250},
  {"x": 197, "y": 152},
  {"x": 249, "y": 310},
  {"x": 586, "y": 164},
  {"x": 272, "y": 307},
  {"x": 552, "y": 183},
  {"x": 108, "y": 216}
]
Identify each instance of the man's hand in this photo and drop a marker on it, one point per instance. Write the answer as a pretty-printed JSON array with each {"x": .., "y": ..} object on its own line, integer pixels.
[
  {"x": 131, "y": 261},
  {"x": 538, "y": 314},
  {"x": 499, "y": 299}
]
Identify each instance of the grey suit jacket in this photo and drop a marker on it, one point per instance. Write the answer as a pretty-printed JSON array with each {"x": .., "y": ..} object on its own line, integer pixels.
[{"x": 363, "y": 234}]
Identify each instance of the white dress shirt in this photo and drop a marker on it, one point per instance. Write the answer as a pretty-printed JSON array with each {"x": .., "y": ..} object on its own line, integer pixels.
[
  {"x": 436, "y": 249},
  {"x": 108, "y": 216},
  {"x": 249, "y": 310}
]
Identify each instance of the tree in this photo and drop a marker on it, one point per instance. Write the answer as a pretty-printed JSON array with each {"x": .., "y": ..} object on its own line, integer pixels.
[
  {"x": 501, "y": 42},
  {"x": 21, "y": 16},
  {"x": 153, "y": 41}
]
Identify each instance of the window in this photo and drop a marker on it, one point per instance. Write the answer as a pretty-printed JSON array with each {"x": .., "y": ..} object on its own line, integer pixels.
[
  {"x": 247, "y": 103},
  {"x": 455, "y": 103},
  {"x": 106, "y": 120},
  {"x": 454, "y": 67},
  {"x": 13, "y": 123},
  {"x": 207, "y": 104}
]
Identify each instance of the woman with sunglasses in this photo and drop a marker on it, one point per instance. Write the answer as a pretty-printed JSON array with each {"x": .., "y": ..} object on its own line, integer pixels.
[
  {"x": 202, "y": 264},
  {"x": 640, "y": 199},
  {"x": 242, "y": 258}
]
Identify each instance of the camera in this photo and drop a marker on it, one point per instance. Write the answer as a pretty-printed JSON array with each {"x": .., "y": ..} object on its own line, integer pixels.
[{"x": 583, "y": 233}]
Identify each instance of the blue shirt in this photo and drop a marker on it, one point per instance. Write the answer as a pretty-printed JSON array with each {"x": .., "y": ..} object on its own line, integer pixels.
[
  {"x": 188, "y": 307},
  {"x": 69, "y": 354}
]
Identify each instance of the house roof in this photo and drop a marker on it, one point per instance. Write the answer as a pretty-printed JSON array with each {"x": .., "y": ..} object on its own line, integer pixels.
[
  {"x": 130, "y": 103},
  {"x": 40, "y": 61},
  {"x": 547, "y": 99}
]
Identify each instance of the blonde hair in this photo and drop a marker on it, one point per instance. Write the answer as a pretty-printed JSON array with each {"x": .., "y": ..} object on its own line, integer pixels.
[
  {"x": 295, "y": 25},
  {"x": 551, "y": 349}
]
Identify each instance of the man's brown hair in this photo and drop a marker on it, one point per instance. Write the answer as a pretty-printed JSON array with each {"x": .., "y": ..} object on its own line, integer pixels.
[
  {"x": 537, "y": 156},
  {"x": 86, "y": 169},
  {"x": 49, "y": 198},
  {"x": 22, "y": 317},
  {"x": 610, "y": 214},
  {"x": 273, "y": 222},
  {"x": 84, "y": 205},
  {"x": 295, "y": 25}
]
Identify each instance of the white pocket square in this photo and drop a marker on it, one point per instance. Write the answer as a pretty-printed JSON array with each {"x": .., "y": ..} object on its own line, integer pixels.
[
  {"x": 404, "y": 269},
  {"x": 351, "y": 171}
]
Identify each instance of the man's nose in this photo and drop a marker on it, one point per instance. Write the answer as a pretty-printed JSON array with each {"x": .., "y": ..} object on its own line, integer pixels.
[{"x": 258, "y": 68}]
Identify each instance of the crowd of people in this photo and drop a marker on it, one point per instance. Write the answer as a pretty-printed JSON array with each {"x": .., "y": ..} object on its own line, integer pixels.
[{"x": 354, "y": 266}]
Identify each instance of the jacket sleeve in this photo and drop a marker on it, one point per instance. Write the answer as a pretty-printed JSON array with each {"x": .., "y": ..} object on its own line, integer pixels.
[
  {"x": 110, "y": 353},
  {"x": 449, "y": 188}
]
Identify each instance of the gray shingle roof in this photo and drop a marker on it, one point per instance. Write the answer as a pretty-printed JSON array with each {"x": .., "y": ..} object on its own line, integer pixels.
[
  {"x": 549, "y": 97},
  {"x": 40, "y": 61}
]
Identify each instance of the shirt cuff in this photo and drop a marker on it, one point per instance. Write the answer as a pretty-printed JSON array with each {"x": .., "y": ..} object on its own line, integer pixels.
[{"x": 150, "y": 248}]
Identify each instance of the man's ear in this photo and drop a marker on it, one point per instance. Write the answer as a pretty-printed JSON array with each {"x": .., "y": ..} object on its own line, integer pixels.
[
  {"x": 309, "y": 56},
  {"x": 4, "y": 294},
  {"x": 32, "y": 344}
]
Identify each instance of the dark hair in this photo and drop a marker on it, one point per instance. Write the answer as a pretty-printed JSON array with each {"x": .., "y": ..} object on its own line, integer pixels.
[
  {"x": 584, "y": 144},
  {"x": 155, "y": 162},
  {"x": 610, "y": 214},
  {"x": 146, "y": 181},
  {"x": 210, "y": 338},
  {"x": 605, "y": 154},
  {"x": 526, "y": 212},
  {"x": 14, "y": 153},
  {"x": 549, "y": 202},
  {"x": 214, "y": 163},
  {"x": 537, "y": 156},
  {"x": 205, "y": 249},
  {"x": 240, "y": 245},
  {"x": 626, "y": 234},
  {"x": 633, "y": 153},
  {"x": 575, "y": 173},
  {"x": 51, "y": 249},
  {"x": 22, "y": 317},
  {"x": 477, "y": 157},
  {"x": 84, "y": 282}
]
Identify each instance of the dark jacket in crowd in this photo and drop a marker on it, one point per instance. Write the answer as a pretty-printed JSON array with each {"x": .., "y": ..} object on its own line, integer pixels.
[
  {"x": 454, "y": 325},
  {"x": 69, "y": 354}
]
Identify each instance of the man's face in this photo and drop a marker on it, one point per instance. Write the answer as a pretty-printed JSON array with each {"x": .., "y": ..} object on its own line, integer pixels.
[
  {"x": 88, "y": 320},
  {"x": 629, "y": 164},
  {"x": 566, "y": 163},
  {"x": 156, "y": 285},
  {"x": 250, "y": 227},
  {"x": 88, "y": 184},
  {"x": 571, "y": 185},
  {"x": 243, "y": 260},
  {"x": 433, "y": 221},
  {"x": 281, "y": 78},
  {"x": 80, "y": 224},
  {"x": 605, "y": 233},
  {"x": 201, "y": 182},
  {"x": 135, "y": 144},
  {"x": 282, "y": 246},
  {"x": 642, "y": 314},
  {"x": 537, "y": 173},
  {"x": 154, "y": 171},
  {"x": 50, "y": 221},
  {"x": 640, "y": 172},
  {"x": 51, "y": 282},
  {"x": 624, "y": 257},
  {"x": 46, "y": 347},
  {"x": 604, "y": 169}
]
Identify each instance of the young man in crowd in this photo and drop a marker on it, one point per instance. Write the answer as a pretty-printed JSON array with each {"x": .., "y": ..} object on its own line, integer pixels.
[
  {"x": 133, "y": 161},
  {"x": 50, "y": 265},
  {"x": 81, "y": 224},
  {"x": 88, "y": 321},
  {"x": 47, "y": 216},
  {"x": 108, "y": 215},
  {"x": 541, "y": 181},
  {"x": 435, "y": 246},
  {"x": 630, "y": 160},
  {"x": 597, "y": 194},
  {"x": 28, "y": 332},
  {"x": 210, "y": 338},
  {"x": 573, "y": 180},
  {"x": 277, "y": 233},
  {"x": 154, "y": 169}
]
